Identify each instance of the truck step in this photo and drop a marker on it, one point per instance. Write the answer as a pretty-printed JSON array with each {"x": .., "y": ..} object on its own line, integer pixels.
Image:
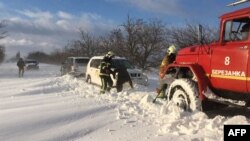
[{"x": 227, "y": 103}]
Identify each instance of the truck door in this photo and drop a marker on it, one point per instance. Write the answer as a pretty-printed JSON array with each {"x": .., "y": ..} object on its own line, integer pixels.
[{"x": 230, "y": 59}]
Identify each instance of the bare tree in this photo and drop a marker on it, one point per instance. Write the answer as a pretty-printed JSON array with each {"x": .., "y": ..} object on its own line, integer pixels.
[
  {"x": 141, "y": 42},
  {"x": 144, "y": 41},
  {"x": 188, "y": 35},
  {"x": 151, "y": 40},
  {"x": 88, "y": 43},
  {"x": 132, "y": 28},
  {"x": 74, "y": 48},
  {"x": 2, "y": 35},
  {"x": 39, "y": 56},
  {"x": 58, "y": 56},
  {"x": 113, "y": 41},
  {"x": 2, "y": 53}
]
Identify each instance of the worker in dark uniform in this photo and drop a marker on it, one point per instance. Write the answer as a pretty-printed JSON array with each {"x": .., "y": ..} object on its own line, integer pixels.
[
  {"x": 105, "y": 72},
  {"x": 122, "y": 77}
]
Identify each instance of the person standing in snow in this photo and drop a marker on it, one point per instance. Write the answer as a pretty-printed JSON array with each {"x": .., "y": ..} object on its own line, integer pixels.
[
  {"x": 21, "y": 66},
  {"x": 168, "y": 59},
  {"x": 105, "y": 72},
  {"x": 122, "y": 77}
]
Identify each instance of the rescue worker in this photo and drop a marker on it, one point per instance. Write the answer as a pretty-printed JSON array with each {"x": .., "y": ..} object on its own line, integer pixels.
[
  {"x": 245, "y": 31},
  {"x": 105, "y": 72},
  {"x": 21, "y": 65},
  {"x": 168, "y": 59},
  {"x": 122, "y": 77}
]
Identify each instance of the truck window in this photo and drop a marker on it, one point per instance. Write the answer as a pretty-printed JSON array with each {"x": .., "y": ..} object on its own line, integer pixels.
[{"x": 236, "y": 30}]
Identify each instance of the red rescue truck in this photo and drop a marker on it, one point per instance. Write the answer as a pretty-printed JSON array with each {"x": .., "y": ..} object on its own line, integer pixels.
[{"x": 217, "y": 72}]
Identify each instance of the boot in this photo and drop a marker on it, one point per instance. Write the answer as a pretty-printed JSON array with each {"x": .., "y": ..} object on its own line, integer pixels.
[
  {"x": 162, "y": 91},
  {"x": 161, "y": 95},
  {"x": 108, "y": 89},
  {"x": 102, "y": 92}
]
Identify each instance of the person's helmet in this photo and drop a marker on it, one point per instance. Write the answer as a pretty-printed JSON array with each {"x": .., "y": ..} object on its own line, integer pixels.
[
  {"x": 171, "y": 49},
  {"x": 110, "y": 54}
]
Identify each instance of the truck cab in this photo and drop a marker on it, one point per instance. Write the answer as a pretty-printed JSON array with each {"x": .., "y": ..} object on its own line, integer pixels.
[{"x": 217, "y": 72}]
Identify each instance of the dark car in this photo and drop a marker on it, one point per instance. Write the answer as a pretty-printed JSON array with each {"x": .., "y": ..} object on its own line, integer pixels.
[{"x": 32, "y": 64}]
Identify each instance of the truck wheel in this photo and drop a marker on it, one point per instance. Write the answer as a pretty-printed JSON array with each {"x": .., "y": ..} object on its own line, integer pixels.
[
  {"x": 88, "y": 80},
  {"x": 184, "y": 93}
]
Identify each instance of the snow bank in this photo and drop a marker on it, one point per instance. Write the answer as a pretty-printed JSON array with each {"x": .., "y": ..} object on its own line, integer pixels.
[{"x": 46, "y": 106}]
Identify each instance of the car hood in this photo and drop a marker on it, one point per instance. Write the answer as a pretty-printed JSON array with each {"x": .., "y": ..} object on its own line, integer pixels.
[{"x": 134, "y": 71}]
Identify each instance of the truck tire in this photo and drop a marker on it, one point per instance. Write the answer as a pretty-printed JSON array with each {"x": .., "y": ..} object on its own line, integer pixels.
[{"x": 184, "y": 93}]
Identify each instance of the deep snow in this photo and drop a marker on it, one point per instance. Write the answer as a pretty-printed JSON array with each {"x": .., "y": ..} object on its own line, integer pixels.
[{"x": 44, "y": 106}]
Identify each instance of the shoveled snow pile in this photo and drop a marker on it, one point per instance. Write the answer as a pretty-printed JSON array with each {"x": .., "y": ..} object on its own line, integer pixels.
[{"x": 44, "y": 106}]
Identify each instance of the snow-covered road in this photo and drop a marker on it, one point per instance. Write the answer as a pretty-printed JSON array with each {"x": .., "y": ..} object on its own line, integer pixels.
[{"x": 43, "y": 106}]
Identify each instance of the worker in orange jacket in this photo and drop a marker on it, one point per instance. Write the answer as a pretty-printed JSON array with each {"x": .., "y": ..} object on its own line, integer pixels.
[{"x": 168, "y": 59}]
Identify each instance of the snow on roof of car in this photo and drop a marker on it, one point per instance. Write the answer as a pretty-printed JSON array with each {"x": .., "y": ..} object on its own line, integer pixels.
[
  {"x": 79, "y": 57},
  {"x": 101, "y": 57}
]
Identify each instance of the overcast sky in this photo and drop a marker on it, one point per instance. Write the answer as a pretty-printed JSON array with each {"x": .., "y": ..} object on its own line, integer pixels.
[{"x": 45, "y": 25}]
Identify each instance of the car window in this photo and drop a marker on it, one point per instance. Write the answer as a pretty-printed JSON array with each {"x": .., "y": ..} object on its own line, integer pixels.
[
  {"x": 118, "y": 63},
  {"x": 95, "y": 63},
  {"x": 33, "y": 62},
  {"x": 82, "y": 61}
]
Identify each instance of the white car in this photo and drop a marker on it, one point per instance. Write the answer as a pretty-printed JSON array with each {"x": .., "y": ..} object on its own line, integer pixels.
[
  {"x": 92, "y": 72},
  {"x": 75, "y": 66}
]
